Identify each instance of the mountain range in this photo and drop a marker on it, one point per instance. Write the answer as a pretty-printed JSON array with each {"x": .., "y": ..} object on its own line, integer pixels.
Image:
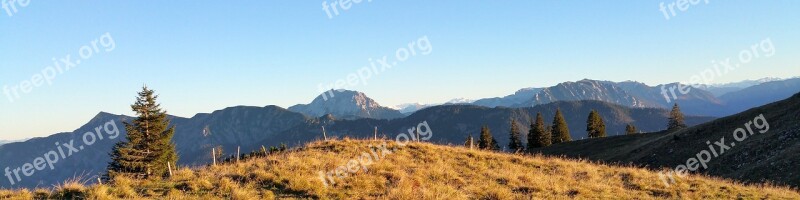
[
  {"x": 700, "y": 100},
  {"x": 247, "y": 128},
  {"x": 720, "y": 89},
  {"x": 352, "y": 114},
  {"x": 2, "y": 142}
]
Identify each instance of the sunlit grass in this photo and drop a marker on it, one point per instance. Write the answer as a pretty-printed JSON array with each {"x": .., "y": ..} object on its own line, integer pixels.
[{"x": 415, "y": 171}]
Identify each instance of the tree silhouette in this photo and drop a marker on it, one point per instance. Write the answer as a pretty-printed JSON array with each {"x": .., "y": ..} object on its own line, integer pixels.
[
  {"x": 486, "y": 141},
  {"x": 630, "y": 129},
  {"x": 515, "y": 144},
  {"x": 538, "y": 136},
  {"x": 676, "y": 119},
  {"x": 595, "y": 127},
  {"x": 560, "y": 130}
]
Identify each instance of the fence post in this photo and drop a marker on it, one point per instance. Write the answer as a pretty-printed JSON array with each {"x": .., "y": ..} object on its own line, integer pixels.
[
  {"x": 214, "y": 155},
  {"x": 169, "y": 166},
  {"x": 237, "y": 154},
  {"x": 375, "y": 137},
  {"x": 324, "y": 135}
]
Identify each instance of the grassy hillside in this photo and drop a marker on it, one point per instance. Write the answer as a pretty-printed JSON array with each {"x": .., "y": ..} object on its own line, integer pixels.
[
  {"x": 760, "y": 157},
  {"x": 415, "y": 171}
]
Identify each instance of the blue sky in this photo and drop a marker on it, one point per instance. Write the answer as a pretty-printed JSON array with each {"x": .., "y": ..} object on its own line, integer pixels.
[{"x": 203, "y": 56}]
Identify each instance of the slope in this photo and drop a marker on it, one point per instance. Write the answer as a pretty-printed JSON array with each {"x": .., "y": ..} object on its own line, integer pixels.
[
  {"x": 413, "y": 171},
  {"x": 768, "y": 156}
]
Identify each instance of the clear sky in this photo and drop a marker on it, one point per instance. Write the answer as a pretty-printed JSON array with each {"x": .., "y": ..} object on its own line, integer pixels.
[{"x": 202, "y": 56}]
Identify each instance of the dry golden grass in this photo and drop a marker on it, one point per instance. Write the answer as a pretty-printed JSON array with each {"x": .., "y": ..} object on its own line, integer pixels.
[{"x": 415, "y": 171}]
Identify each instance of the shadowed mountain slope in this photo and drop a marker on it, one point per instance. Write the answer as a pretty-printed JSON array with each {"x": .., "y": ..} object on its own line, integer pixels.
[{"x": 769, "y": 156}]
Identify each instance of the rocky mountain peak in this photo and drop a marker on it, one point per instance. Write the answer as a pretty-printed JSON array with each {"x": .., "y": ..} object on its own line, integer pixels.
[{"x": 346, "y": 104}]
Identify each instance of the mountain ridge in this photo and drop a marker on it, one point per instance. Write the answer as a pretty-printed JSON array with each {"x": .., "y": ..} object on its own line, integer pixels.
[
  {"x": 247, "y": 128},
  {"x": 346, "y": 104}
]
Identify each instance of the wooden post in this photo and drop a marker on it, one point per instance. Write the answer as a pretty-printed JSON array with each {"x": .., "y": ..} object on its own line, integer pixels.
[
  {"x": 264, "y": 149},
  {"x": 324, "y": 135},
  {"x": 169, "y": 167},
  {"x": 416, "y": 132},
  {"x": 214, "y": 155},
  {"x": 237, "y": 153},
  {"x": 470, "y": 142},
  {"x": 99, "y": 181},
  {"x": 375, "y": 137}
]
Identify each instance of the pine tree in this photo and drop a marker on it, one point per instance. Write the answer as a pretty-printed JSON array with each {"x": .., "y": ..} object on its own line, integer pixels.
[
  {"x": 595, "y": 127},
  {"x": 532, "y": 137},
  {"x": 515, "y": 145},
  {"x": 538, "y": 136},
  {"x": 495, "y": 145},
  {"x": 676, "y": 119},
  {"x": 486, "y": 140},
  {"x": 630, "y": 129},
  {"x": 548, "y": 132},
  {"x": 148, "y": 147},
  {"x": 560, "y": 129}
]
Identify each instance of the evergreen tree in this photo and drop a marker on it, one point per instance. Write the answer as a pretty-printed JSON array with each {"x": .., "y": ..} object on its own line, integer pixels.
[
  {"x": 560, "y": 129},
  {"x": 630, "y": 129},
  {"x": 148, "y": 147},
  {"x": 548, "y": 132},
  {"x": 486, "y": 140},
  {"x": 676, "y": 119},
  {"x": 538, "y": 136},
  {"x": 595, "y": 127},
  {"x": 532, "y": 137},
  {"x": 515, "y": 145}
]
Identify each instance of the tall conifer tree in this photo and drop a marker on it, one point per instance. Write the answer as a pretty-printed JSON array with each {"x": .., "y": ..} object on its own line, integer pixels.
[
  {"x": 538, "y": 136},
  {"x": 560, "y": 129},
  {"x": 148, "y": 147},
  {"x": 515, "y": 143},
  {"x": 487, "y": 141},
  {"x": 595, "y": 127},
  {"x": 676, "y": 119}
]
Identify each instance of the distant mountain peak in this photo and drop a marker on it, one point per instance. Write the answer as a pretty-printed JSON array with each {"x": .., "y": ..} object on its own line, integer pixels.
[
  {"x": 460, "y": 101},
  {"x": 346, "y": 104},
  {"x": 407, "y": 108},
  {"x": 103, "y": 116}
]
